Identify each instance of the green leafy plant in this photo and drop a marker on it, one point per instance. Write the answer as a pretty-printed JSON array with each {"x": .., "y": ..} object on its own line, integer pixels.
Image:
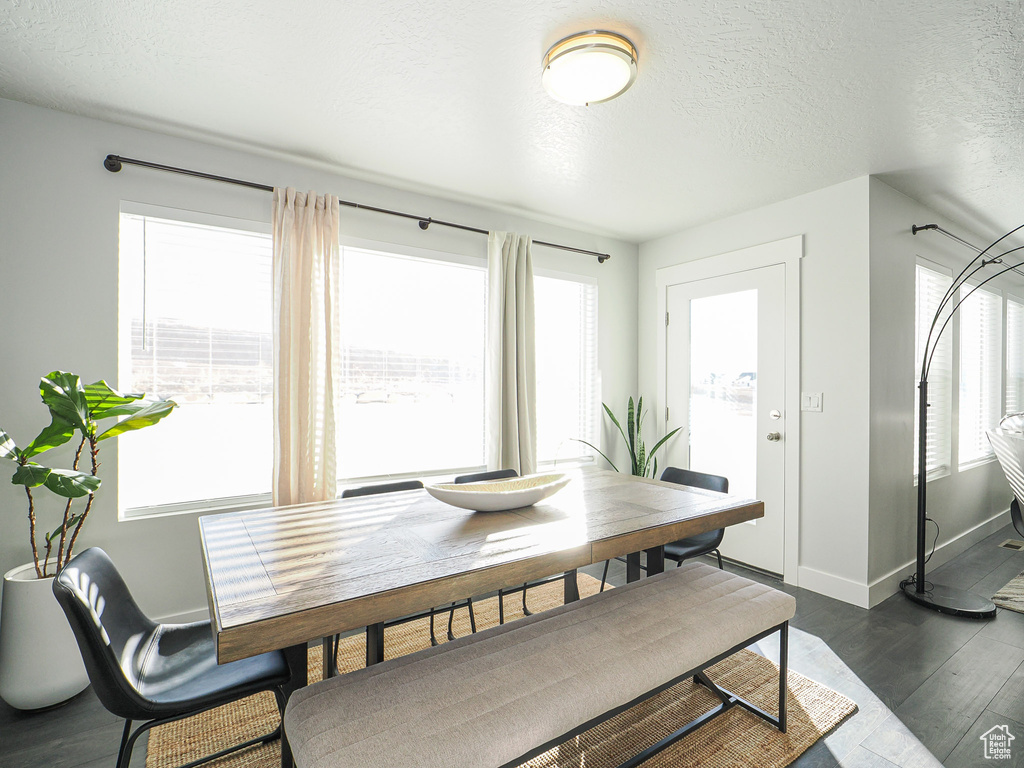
[
  {"x": 642, "y": 462},
  {"x": 74, "y": 410}
]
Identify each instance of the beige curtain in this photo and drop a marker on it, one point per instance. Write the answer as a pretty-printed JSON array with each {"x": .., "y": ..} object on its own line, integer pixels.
[
  {"x": 306, "y": 254},
  {"x": 511, "y": 366}
]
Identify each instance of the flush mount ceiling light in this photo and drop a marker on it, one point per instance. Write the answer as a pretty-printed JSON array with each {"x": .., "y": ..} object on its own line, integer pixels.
[{"x": 589, "y": 67}]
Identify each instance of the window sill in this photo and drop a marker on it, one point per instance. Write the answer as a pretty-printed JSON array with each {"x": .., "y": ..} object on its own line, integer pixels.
[
  {"x": 258, "y": 501},
  {"x": 202, "y": 507},
  {"x": 977, "y": 463}
]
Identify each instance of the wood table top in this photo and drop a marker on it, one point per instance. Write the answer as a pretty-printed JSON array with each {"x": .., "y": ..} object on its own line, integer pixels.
[{"x": 282, "y": 576}]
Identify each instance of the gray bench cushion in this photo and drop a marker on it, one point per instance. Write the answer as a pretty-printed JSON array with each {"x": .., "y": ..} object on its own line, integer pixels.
[{"x": 486, "y": 699}]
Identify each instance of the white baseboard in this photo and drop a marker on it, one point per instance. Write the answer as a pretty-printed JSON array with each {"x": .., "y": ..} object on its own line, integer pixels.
[
  {"x": 830, "y": 585},
  {"x": 887, "y": 585},
  {"x": 870, "y": 595}
]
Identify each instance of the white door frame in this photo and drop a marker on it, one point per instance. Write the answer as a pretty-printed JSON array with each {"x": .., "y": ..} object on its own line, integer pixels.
[{"x": 788, "y": 252}]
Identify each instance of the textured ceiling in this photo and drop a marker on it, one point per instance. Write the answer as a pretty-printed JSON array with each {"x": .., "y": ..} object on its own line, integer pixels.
[{"x": 737, "y": 104}]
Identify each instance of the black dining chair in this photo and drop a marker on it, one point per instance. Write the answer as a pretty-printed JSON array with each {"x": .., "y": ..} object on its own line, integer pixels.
[
  {"x": 692, "y": 546},
  {"x": 150, "y": 672},
  {"x": 410, "y": 485},
  {"x": 480, "y": 477},
  {"x": 372, "y": 490}
]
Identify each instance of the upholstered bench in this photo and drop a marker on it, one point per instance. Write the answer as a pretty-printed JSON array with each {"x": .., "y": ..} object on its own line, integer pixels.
[{"x": 506, "y": 694}]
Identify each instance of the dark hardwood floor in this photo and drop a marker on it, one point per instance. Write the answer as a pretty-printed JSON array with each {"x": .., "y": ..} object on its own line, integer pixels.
[{"x": 927, "y": 686}]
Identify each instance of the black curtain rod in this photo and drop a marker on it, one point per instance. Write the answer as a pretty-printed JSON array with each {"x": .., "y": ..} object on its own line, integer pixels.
[
  {"x": 113, "y": 163},
  {"x": 936, "y": 228}
]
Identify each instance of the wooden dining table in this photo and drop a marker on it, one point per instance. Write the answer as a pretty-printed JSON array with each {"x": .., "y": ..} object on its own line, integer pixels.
[{"x": 280, "y": 577}]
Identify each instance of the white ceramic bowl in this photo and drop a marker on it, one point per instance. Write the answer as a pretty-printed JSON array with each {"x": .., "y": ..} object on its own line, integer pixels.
[{"x": 499, "y": 495}]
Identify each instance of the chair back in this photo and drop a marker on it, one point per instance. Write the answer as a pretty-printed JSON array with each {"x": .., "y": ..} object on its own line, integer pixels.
[
  {"x": 695, "y": 479},
  {"x": 113, "y": 633},
  {"x": 494, "y": 474},
  {"x": 372, "y": 490}
]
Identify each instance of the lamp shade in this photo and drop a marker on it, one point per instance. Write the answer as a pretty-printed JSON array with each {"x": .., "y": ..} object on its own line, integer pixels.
[{"x": 589, "y": 67}]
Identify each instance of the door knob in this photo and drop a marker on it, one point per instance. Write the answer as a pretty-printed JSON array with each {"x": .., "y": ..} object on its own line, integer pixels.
[{"x": 774, "y": 437}]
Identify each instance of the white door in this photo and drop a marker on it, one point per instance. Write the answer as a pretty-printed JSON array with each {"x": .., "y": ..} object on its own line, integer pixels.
[{"x": 725, "y": 386}]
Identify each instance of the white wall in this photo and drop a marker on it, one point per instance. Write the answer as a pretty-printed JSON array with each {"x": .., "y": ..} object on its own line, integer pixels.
[
  {"x": 967, "y": 504},
  {"x": 834, "y": 333},
  {"x": 58, "y": 293},
  {"x": 857, "y": 497}
]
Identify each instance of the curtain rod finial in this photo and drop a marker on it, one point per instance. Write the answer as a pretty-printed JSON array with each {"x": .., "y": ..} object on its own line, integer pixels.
[{"x": 112, "y": 163}]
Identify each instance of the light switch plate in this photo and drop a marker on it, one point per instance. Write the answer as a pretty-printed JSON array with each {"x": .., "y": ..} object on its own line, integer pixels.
[{"x": 812, "y": 401}]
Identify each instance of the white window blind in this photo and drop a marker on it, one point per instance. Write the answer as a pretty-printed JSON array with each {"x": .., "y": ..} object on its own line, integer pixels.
[
  {"x": 411, "y": 381},
  {"x": 980, "y": 372},
  {"x": 567, "y": 378},
  {"x": 931, "y": 286},
  {"x": 198, "y": 331},
  {"x": 1014, "y": 356}
]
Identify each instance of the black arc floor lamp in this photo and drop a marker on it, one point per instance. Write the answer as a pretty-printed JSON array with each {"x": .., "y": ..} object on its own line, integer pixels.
[{"x": 958, "y": 602}]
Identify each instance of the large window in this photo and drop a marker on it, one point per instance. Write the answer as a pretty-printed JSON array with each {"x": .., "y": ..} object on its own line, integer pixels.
[
  {"x": 412, "y": 380},
  {"x": 981, "y": 372},
  {"x": 931, "y": 287},
  {"x": 196, "y": 326},
  {"x": 1014, "y": 355},
  {"x": 412, "y": 373},
  {"x": 567, "y": 378}
]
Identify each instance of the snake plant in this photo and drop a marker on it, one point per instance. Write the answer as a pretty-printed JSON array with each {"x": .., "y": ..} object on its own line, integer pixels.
[{"x": 642, "y": 463}]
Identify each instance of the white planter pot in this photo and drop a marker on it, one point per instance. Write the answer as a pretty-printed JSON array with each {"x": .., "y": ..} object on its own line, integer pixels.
[{"x": 40, "y": 664}]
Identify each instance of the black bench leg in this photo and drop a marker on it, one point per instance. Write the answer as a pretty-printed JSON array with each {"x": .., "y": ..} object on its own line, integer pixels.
[
  {"x": 730, "y": 699},
  {"x": 783, "y": 670}
]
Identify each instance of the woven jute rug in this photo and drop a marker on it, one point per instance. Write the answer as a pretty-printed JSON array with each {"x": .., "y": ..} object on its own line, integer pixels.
[
  {"x": 1011, "y": 596},
  {"x": 737, "y": 738}
]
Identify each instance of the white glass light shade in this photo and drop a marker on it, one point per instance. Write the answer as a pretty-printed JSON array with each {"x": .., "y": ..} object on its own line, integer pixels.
[{"x": 589, "y": 67}]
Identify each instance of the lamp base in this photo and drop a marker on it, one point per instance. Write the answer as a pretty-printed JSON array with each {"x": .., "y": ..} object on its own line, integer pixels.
[{"x": 956, "y": 602}]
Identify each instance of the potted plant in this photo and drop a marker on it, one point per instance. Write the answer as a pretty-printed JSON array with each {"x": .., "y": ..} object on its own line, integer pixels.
[
  {"x": 640, "y": 460},
  {"x": 39, "y": 660}
]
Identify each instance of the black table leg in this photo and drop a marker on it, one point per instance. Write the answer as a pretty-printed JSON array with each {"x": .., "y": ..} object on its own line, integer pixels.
[
  {"x": 633, "y": 570},
  {"x": 328, "y": 653},
  {"x": 571, "y": 588},
  {"x": 297, "y": 659},
  {"x": 655, "y": 560},
  {"x": 374, "y": 644}
]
